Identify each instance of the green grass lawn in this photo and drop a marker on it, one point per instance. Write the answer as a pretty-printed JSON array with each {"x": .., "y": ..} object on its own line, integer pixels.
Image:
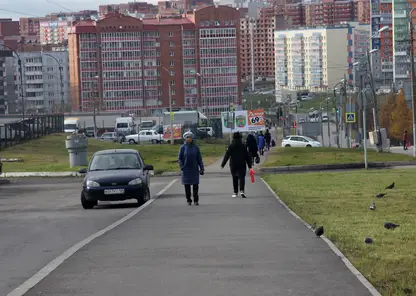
[
  {"x": 48, "y": 154},
  {"x": 326, "y": 155},
  {"x": 340, "y": 202}
]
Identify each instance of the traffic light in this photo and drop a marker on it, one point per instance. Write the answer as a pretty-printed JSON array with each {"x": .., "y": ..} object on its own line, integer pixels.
[
  {"x": 279, "y": 112},
  {"x": 294, "y": 124}
]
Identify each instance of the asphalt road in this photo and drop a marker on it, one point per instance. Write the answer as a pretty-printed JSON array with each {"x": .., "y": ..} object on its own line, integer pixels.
[
  {"x": 225, "y": 247},
  {"x": 41, "y": 218}
]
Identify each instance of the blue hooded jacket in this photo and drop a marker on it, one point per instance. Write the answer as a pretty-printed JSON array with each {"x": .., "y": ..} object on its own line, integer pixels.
[{"x": 190, "y": 162}]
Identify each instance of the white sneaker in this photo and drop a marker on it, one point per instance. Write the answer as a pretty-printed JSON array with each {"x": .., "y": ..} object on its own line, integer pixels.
[
  {"x": 234, "y": 195},
  {"x": 242, "y": 194}
]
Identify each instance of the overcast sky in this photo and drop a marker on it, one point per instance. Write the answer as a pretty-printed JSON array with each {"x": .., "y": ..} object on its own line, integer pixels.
[{"x": 32, "y": 8}]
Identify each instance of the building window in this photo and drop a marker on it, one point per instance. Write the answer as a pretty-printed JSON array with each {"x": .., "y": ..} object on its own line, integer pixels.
[
  {"x": 172, "y": 73},
  {"x": 171, "y": 44},
  {"x": 172, "y": 91},
  {"x": 170, "y": 34},
  {"x": 172, "y": 82},
  {"x": 171, "y": 63},
  {"x": 172, "y": 53}
]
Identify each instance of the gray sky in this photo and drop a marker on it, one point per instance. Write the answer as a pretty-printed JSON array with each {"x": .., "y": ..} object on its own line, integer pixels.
[{"x": 33, "y": 8}]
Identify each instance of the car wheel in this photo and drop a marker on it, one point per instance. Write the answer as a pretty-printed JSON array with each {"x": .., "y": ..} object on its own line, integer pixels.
[
  {"x": 145, "y": 198},
  {"x": 287, "y": 145},
  {"x": 154, "y": 141},
  {"x": 308, "y": 145},
  {"x": 87, "y": 204},
  {"x": 131, "y": 141}
]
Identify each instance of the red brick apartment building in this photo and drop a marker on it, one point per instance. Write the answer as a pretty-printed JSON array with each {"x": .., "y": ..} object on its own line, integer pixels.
[{"x": 121, "y": 63}]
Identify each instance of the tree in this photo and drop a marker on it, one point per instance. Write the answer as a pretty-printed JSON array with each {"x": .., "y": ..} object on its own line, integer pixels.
[{"x": 396, "y": 117}]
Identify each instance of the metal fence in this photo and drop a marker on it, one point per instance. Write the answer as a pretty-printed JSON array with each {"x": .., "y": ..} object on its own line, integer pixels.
[{"x": 17, "y": 132}]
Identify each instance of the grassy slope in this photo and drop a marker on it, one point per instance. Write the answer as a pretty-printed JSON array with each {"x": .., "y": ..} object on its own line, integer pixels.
[
  {"x": 48, "y": 154},
  {"x": 340, "y": 202},
  {"x": 308, "y": 156}
]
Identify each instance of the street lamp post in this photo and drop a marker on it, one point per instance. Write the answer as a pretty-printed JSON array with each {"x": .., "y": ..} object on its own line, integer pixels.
[
  {"x": 252, "y": 21},
  {"x": 95, "y": 104},
  {"x": 327, "y": 124},
  {"x": 170, "y": 110},
  {"x": 375, "y": 110},
  {"x": 60, "y": 79},
  {"x": 19, "y": 61},
  {"x": 413, "y": 82}
]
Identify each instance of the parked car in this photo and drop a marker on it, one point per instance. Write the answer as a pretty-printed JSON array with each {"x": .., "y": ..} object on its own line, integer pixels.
[
  {"x": 115, "y": 175},
  {"x": 145, "y": 136},
  {"x": 89, "y": 131},
  {"x": 300, "y": 141},
  {"x": 109, "y": 137}
]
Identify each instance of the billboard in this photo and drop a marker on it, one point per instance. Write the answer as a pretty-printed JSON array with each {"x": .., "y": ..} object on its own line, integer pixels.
[
  {"x": 243, "y": 121},
  {"x": 177, "y": 132}
]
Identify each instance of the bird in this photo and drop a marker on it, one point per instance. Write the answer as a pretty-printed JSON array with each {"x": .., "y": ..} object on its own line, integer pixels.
[
  {"x": 391, "y": 186},
  {"x": 373, "y": 206},
  {"x": 319, "y": 231},
  {"x": 380, "y": 195},
  {"x": 390, "y": 225},
  {"x": 368, "y": 240}
]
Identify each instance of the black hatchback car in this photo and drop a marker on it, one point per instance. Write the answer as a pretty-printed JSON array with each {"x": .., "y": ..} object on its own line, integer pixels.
[{"x": 115, "y": 175}]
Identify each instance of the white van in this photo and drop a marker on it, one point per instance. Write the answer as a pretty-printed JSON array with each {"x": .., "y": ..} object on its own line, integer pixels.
[
  {"x": 71, "y": 125},
  {"x": 124, "y": 125}
]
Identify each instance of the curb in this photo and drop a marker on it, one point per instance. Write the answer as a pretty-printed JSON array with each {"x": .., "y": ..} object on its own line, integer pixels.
[
  {"x": 328, "y": 167},
  {"x": 43, "y": 174},
  {"x": 373, "y": 291}
]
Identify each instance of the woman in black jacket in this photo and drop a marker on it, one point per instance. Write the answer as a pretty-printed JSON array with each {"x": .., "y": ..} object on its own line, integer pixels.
[
  {"x": 251, "y": 144},
  {"x": 239, "y": 160}
]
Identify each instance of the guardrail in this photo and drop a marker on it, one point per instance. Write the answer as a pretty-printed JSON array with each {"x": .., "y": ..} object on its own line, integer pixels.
[{"x": 14, "y": 133}]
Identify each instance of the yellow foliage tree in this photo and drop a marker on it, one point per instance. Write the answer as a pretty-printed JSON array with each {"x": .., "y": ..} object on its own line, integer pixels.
[{"x": 396, "y": 117}]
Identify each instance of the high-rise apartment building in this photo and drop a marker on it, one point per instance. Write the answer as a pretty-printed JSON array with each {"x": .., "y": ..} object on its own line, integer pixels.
[
  {"x": 53, "y": 32},
  {"x": 29, "y": 27},
  {"x": 401, "y": 44},
  {"x": 362, "y": 11},
  {"x": 382, "y": 60},
  {"x": 143, "y": 8},
  {"x": 313, "y": 59},
  {"x": 42, "y": 80},
  {"x": 121, "y": 63}
]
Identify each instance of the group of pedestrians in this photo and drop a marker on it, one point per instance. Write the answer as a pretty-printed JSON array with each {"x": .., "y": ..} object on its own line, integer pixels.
[{"x": 241, "y": 155}]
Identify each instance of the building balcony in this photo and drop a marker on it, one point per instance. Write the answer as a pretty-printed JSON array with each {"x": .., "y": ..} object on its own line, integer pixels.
[
  {"x": 400, "y": 53},
  {"x": 30, "y": 73},
  {"x": 385, "y": 70},
  {"x": 401, "y": 14},
  {"x": 39, "y": 64},
  {"x": 38, "y": 98},
  {"x": 34, "y": 90},
  {"x": 34, "y": 81},
  {"x": 401, "y": 75}
]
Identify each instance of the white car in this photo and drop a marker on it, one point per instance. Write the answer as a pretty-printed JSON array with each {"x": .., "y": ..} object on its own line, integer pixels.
[
  {"x": 145, "y": 136},
  {"x": 300, "y": 141}
]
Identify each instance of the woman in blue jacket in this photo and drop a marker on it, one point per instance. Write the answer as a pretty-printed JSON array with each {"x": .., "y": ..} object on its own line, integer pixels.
[
  {"x": 261, "y": 142},
  {"x": 190, "y": 162}
]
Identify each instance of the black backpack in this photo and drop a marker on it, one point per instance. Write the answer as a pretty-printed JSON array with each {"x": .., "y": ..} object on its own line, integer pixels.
[{"x": 273, "y": 143}]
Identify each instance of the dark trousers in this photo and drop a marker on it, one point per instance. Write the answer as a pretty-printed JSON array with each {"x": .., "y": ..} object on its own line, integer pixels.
[
  {"x": 239, "y": 179},
  {"x": 188, "y": 193},
  {"x": 404, "y": 144}
]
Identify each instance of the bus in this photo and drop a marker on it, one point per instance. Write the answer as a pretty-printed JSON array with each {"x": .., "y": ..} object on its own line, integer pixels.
[{"x": 186, "y": 117}]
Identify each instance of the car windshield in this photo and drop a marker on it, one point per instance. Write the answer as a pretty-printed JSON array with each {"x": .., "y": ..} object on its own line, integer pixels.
[
  {"x": 70, "y": 126},
  {"x": 115, "y": 161}
]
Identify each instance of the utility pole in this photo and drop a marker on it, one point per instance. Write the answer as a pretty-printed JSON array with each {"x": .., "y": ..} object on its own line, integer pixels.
[
  {"x": 364, "y": 96},
  {"x": 336, "y": 118},
  {"x": 171, "y": 115},
  {"x": 322, "y": 124},
  {"x": 412, "y": 62},
  {"x": 375, "y": 110},
  {"x": 327, "y": 124},
  {"x": 95, "y": 104},
  {"x": 252, "y": 56}
]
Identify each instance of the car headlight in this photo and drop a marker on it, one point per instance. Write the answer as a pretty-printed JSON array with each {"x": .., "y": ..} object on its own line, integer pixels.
[
  {"x": 137, "y": 181},
  {"x": 91, "y": 183}
]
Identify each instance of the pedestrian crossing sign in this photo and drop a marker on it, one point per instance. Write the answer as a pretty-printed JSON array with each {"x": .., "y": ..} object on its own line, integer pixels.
[{"x": 350, "y": 117}]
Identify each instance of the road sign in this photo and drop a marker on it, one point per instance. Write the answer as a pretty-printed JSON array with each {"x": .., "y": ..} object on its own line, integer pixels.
[
  {"x": 350, "y": 117},
  {"x": 172, "y": 116}
]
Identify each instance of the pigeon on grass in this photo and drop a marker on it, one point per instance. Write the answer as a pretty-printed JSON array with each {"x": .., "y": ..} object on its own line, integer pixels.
[
  {"x": 390, "y": 225},
  {"x": 373, "y": 206},
  {"x": 391, "y": 186},
  {"x": 319, "y": 231}
]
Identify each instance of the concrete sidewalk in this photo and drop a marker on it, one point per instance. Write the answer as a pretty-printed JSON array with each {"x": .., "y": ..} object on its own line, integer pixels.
[{"x": 225, "y": 247}]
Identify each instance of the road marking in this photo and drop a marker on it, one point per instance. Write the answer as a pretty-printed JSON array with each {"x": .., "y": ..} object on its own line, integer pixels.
[
  {"x": 54, "y": 264},
  {"x": 344, "y": 259}
]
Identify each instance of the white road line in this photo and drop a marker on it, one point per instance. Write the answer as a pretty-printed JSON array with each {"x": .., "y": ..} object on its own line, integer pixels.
[
  {"x": 44, "y": 272},
  {"x": 373, "y": 291}
]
